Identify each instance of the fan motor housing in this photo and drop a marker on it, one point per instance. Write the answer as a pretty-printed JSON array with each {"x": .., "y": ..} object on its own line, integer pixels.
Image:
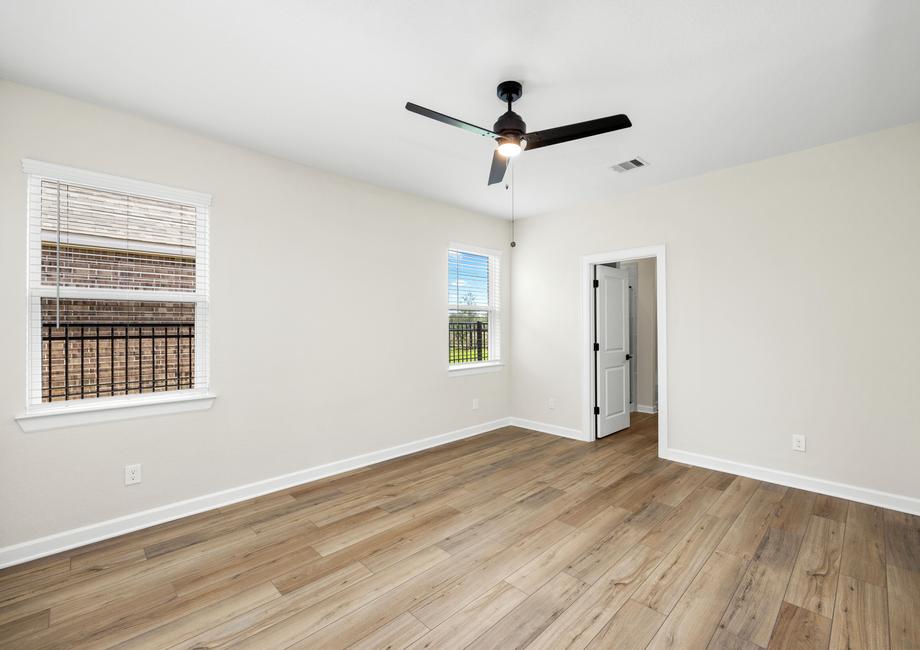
[{"x": 510, "y": 124}]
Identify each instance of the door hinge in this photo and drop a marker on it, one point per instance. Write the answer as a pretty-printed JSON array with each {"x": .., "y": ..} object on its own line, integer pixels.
[
  {"x": 597, "y": 347},
  {"x": 596, "y": 284},
  {"x": 597, "y": 410},
  {"x": 628, "y": 357}
]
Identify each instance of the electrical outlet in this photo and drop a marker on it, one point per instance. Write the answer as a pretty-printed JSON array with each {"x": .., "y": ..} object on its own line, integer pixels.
[
  {"x": 551, "y": 404},
  {"x": 475, "y": 403},
  {"x": 798, "y": 443},
  {"x": 132, "y": 474}
]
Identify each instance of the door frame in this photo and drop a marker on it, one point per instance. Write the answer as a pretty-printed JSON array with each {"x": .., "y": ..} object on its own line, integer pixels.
[{"x": 587, "y": 264}]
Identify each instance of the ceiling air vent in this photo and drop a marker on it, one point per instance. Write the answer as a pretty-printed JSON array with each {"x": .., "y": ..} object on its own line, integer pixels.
[{"x": 628, "y": 165}]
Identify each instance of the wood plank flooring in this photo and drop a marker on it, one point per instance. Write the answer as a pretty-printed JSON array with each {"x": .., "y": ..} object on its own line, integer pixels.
[{"x": 512, "y": 539}]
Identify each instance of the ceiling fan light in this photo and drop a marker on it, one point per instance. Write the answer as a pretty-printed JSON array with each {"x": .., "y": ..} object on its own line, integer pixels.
[{"x": 509, "y": 149}]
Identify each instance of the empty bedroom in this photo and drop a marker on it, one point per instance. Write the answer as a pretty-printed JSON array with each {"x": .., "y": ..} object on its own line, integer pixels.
[{"x": 484, "y": 325}]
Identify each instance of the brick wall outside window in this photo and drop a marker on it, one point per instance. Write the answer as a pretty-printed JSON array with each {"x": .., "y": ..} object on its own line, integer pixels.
[
  {"x": 83, "y": 266},
  {"x": 107, "y": 348}
]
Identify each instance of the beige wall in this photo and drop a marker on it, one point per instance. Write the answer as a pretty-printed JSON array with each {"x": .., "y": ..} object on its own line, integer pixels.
[
  {"x": 301, "y": 260},
  {"x": 793, "y": 307},
  {"x": 646, "y": 335}
]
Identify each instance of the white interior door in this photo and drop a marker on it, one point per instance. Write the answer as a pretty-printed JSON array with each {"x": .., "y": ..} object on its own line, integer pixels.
[{"x": 612, "y": 349}]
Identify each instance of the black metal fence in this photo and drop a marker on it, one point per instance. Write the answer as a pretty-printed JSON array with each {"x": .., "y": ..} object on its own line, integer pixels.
[
  {"x": 107, "y": 359},
  {"x": 468, "y": 341}
]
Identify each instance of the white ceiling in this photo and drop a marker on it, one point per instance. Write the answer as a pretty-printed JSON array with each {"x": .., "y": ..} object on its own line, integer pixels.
[{"x": 707, "y": 84}]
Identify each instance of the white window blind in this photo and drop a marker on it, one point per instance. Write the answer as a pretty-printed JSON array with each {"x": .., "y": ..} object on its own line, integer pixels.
[
  {"x": 474, "y": 305},
  {"x": 118, "y": 287}
]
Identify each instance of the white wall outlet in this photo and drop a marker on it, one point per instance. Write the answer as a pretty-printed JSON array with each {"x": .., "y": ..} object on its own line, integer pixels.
[
  {"x": 798, "y": 442},
  {"x": 132, "y": 474},
  {"x": 551, "y": 404},
  {"x": 475, "y": 403}
]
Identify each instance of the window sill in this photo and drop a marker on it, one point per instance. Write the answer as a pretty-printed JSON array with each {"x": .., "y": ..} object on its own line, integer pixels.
[
  {"x": 110, "y": 409},
  {"x": 475, "y": 368}
]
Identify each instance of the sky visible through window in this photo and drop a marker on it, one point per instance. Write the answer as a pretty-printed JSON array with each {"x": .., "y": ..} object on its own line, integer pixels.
[{"x": 467, "y": 279}]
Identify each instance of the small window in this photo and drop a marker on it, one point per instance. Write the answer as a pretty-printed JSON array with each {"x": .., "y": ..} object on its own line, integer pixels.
[
  {"x": 118, "y": 288},
  {"x": 474, "y": 306}
]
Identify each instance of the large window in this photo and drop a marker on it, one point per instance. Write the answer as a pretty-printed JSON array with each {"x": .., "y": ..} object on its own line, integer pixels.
[
  {"x": 474, "y": 307},
  {"x": 118, "y": 288}
]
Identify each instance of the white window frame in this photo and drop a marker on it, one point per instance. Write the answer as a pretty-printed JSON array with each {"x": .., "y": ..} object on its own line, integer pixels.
[
  {"x": 495, "y": 362},
  {"x": 43, "y": 415}
]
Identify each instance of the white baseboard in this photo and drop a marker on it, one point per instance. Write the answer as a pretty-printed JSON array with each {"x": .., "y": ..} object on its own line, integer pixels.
[
  {"x": 642, "y": 408},
  {"x": 66, "y": 540},
  {"x": 842, "y": 490},
  {"x": 63, "y": 541},
  {"x": 555, "y": 430}
]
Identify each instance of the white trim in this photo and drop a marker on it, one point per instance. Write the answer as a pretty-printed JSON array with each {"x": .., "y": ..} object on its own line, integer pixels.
[
  {"x": 842, "y": 490},
  {"x": 93, "y": 293},
  {"x": 642, "y": 408},
  {"x": 495, "y": 305},
  {"x": 476, "y": 250},
  {"x": 63, "y": 541},
  {"x": 33, "y": 344},
  {"x": 41, "y": 547},
  {"x": 888, "y": 500},
  {"x": 202, "y": 288},
  {"x": 474, "y": 368},
  {"x": 106, "y": 409},
  {"x": 115, "y": 183},
  {"x": 36, "y": 548},
  {"x": 587, "y": 263},
  {"x": 39, "y": 416},
  {"x": 543, "y": 427}
]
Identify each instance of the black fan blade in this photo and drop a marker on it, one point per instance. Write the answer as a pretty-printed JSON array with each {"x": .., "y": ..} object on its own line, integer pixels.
[
  {"x": 447, "y": 119},
  {"x": 499, "y": 165},
  {"x": 561, "y": 134}
]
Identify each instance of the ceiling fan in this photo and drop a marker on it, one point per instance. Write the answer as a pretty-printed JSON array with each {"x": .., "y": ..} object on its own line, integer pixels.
[{"x": 510, "y": 132}]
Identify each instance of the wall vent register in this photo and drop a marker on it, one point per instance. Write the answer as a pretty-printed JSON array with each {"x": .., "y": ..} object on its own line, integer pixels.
[{"x": 629, "y": 165}]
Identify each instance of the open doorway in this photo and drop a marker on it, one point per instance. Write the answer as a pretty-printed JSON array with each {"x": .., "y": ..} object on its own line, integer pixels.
[{"x": 625, "y": 310}]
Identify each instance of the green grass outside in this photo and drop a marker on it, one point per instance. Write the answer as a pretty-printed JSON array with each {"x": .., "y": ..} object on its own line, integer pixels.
[{"x": 458, "y": 355}]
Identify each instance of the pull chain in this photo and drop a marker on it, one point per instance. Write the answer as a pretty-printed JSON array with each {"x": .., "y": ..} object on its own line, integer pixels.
[{"x": 513, "y": 243}]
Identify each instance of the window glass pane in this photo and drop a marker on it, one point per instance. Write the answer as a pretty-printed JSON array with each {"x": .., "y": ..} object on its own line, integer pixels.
[
  {"x": 104, "y": 348},
  {"x": 468, "y": 336},
  {"x": 470, "y": 318},
  {"x": 467, "y": 280}
]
